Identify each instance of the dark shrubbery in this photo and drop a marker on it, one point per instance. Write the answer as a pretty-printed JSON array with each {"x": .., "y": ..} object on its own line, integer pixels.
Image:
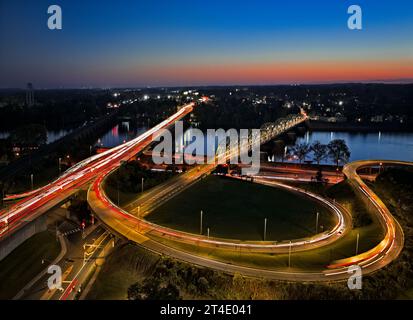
[
  {"x": 129, "y": 177},
  {"x": 343, "y": 192}
]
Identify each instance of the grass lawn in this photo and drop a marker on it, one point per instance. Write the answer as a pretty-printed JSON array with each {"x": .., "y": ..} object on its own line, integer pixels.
[
  {"x": 124, "y": 197},
  {"x": 41, "y": 177},
  {"x": 125, "y": 266},
  {"x": 25, "y": 262},
  {"x": 406, "y": 295},
  {"x": 237, "y": 209}
]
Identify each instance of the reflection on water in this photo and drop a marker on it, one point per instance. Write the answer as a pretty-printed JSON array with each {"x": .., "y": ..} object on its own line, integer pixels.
[
  {"x": 119, "y": 134},
  {"x": 381, "y": 145},
  {"x": 52, "y": 136},
  {"x": 202, "y": 145},
  {"x": 386, "y": 145},
  {"x": 124, "y": 131}
]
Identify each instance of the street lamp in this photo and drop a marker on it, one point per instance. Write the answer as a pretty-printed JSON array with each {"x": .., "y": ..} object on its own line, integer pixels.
[
  {"x": 357, "y": 243},
  {"x": 316, "y": 223},
  {"x": 31, "y": 180},
  {"x": 289, "y": 255},
  {"x": 142, "y": 184},
  {"x": 265, "y": 228},
  {"x": 60, "y": 166},
  {"x": 200, "y": 222}
]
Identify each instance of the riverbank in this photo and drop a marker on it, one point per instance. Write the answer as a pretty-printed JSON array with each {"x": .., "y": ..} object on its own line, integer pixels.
[
  {"x": 358, "y": 127},
  {"x": 58, "y": 147}
]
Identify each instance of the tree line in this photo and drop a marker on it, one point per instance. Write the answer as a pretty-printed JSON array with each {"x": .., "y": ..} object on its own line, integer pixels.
[{"x": 336, "y": 150}]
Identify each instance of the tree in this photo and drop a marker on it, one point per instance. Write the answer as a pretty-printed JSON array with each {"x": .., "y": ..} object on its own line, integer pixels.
[
  {"x": 338, "y": 151},
  {"x": 79, "y": 208},
  {"x": 319, "y": 175},
  {"x": 320, "y": 151},
  {"x": 169, "y": 292},
  {"x": 32, "y": 135},
  {"x": 152, "y": 289},
  {"x": 135, "y": 292},
  {"x": 203, "y": 284},
  {"x": 301, "y": 151}
]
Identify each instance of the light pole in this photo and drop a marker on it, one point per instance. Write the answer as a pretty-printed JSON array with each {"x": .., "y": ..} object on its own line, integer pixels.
[
  {"x": 265, "y": 228},
  {"x": 31, "y": 180},
  {"x": 142, "y": 184},
  {"x": 289, "y": 255},
  {"x": 200, "y": 224},
  {"x": 60, "y": 166},
  {"x": 208, "y": 232},
  {"x": 90, "y": 150},
  {"x": 316, "y": 223},
  {"x": 357, "y": 243}
]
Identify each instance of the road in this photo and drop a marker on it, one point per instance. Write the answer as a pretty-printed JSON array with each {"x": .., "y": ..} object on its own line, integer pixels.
[
  {"x": 132, "y": 228},
  {"x": 289, "y": 173},
  {"x": 121, "y": 222},
  {"x": 392, "y": 244},
  {"x": 135, "y": 211},
  {"x": 84, "y": 172},
  {"x": 77, "y": 265},
  {"x": 106, "y": 210}
]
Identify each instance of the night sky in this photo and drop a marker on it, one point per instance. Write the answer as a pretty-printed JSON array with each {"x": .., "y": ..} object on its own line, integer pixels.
[{"x": 176, "y": 42}]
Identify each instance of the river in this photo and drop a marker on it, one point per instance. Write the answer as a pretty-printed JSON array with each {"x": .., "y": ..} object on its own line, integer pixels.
[
  {"x": 381, "y": 145},
  {"x": 385, "y": 145}
]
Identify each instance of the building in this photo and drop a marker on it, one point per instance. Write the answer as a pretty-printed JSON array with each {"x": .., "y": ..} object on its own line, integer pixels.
[{"x": 29, "y": 95}]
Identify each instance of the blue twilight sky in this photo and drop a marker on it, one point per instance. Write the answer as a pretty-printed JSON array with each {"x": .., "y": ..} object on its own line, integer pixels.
[{"x": 179, "y": 42}]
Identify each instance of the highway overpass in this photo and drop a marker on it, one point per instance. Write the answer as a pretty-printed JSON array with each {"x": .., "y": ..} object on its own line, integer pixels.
[{"x": 83, "y": 173}]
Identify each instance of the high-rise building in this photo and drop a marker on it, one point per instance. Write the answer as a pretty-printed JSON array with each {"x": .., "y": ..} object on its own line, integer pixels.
[{"x": 29, "y": 95}]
